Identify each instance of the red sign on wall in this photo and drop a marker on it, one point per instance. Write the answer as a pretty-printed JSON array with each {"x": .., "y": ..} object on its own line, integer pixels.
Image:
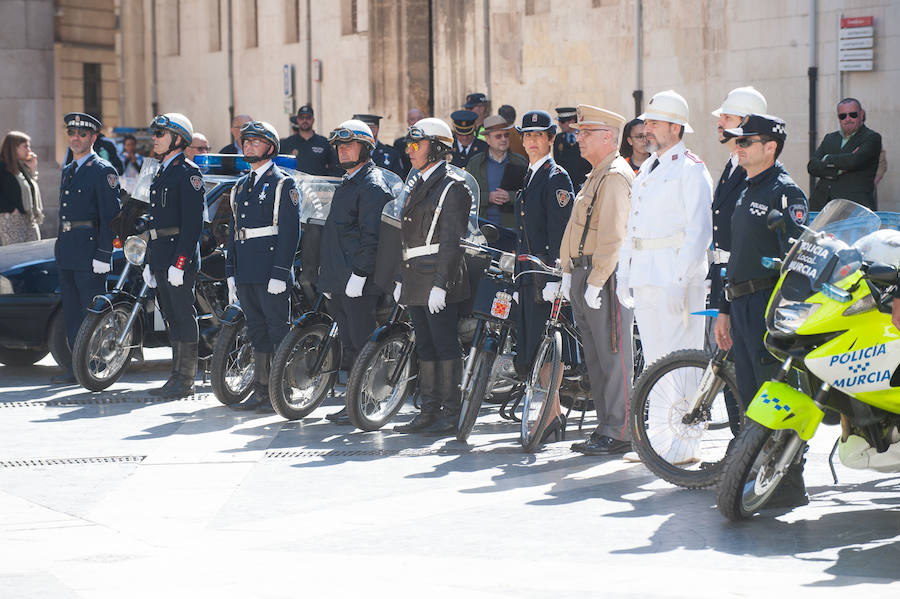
[{"x": 848, "y": 22}]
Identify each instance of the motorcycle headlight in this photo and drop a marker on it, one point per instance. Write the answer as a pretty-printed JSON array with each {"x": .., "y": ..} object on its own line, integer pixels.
[
  {"x": 135, "y": 249},
  {"x": 789, "y": 316},
  {"x": 507, "y": 262}
]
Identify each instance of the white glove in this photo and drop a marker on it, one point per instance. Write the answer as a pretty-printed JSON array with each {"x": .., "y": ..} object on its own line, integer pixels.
[
  {"x": 176, "y": 277},
  {"x": 232, "y": 291},
  {"x": 566, "y": 285},
  {"x": 624, "y": 293},
  {"x": 355, "y": 286},
  {"x": 675, "y": 300},
  {"x": 437, "y": 300},
  {"x": 100, "y": 268},
  {"x": 148, "y": 277},
  {"x": 276, "y": 286},
  {"x": 397, "y": 287},
  {"x": 516, "y": 296},
  {"x": 592, "y": 297},
  {"x": 550, "y": 290},
  {"x": 327, "y": 295}
]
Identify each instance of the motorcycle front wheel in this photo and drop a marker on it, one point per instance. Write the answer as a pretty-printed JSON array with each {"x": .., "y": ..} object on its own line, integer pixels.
[
  {"x": 688, "y": 455},
  {"x": 372, "y": 401},
  {"x": 294, "y": 389},
  {"x": 231, "y": 366},
  {"x": 750, "y": 476},
  {"x": 541, "y": 389},
  {"x": 98, "y": 360},
  {"x": 474, "y": 392}
]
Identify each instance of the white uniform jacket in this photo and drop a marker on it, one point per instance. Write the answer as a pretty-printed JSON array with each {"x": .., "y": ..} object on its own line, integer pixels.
[{"x": 670, "y": 225}]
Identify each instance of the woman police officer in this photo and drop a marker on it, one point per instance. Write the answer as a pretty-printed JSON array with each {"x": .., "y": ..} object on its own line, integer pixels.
[{"x": 433, "y": 274}]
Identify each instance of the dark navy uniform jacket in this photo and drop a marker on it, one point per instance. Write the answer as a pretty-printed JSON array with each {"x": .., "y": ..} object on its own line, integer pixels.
[
  {"x": 751, "y": 239},
  {"x": 542, "y": 212},
  {"x": 350, "y": 235},
  {"x": 89, "y": 194},
  {"x": 388, "y": 157},
  {"x": 460, "y": 159},
  {"x": 568, "y": 155},
  {"x": 259, "y": 259},
  {"x": 725, "y": 197},
  {"x": 176, "y": 200},
  {"x": 314, "y": 156}
]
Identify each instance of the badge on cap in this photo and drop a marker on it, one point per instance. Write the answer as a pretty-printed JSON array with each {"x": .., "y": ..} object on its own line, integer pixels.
[
  {"x": 534, "y": 118},
  {"x": 563, "y": 197},
  {"x": 196, "y": 182},
  {"x": 295, "y": 196},
  {"x": 112, "y": 180}
]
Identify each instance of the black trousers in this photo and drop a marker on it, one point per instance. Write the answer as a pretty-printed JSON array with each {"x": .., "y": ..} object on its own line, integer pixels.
[
  {"x": 355, "y": 318},
  {"x": 268, "y": 316},
  {"x": 437, "y": 336},
  {"x": 532, "y": 318},
  {"x": 177, "y": 305},
  {"x": 753, "y": 364},
  {"x": 78, "y": 288}
]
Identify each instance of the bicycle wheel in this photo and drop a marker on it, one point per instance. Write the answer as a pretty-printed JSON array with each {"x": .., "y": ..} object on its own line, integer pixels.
[
  {"x": 232, "y": 368},
  {"x": 371, "y": 399},
  {"x": 685, "y": 454},
  {"x": 541, "y": 390},
  {"x": 473, "y": 393},
  {"x": 295, "y": 391}
]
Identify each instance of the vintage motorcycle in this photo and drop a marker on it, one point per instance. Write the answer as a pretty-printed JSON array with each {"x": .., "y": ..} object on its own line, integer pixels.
[{"x": 829, "y": 321}]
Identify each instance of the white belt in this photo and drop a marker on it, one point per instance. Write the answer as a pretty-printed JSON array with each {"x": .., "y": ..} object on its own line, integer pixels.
[
  {"x": 720, "y": 256},
  {"x": 244, "y": 234},
  {"x": 422, "y": 250},
  {"x": 658, "y": 243}
]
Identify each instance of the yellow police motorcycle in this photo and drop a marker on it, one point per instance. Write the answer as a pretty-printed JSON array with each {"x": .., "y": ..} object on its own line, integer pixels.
[{"x": 829, "y": 321}]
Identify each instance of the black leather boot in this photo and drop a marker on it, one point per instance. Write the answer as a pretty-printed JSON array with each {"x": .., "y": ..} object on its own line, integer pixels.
[
  {"x": 449, "y": 377},
  {"x": 791, "y": 491},
  {"x": 185, "y": 371},
  {"x": 167, "y": 386},
  {"x": 260, "y": 396},
  {"x": 431, "y": 402}
]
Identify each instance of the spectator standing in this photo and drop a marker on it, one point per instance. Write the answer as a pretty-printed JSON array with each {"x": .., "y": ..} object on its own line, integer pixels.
[
  {"x": 314, "y": 154},
  {"x": 199, "y": 145},
  {"x": 634, "y": 144},
  {"x": 131, "y": 162},
  {"x": 235, "y": 146},
  {"x": 21, "y": 210},
  {"x": 515, "y": 139},
  {"x": 498, "y": 173}
]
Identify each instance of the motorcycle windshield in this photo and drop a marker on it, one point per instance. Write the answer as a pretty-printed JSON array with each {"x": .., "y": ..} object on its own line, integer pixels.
[
  {"x": 823, "y": 254},
  {"x": 316, "y": 192},
  {"x": 141, "y": 190},
  {"x": 393, "y": 210}
]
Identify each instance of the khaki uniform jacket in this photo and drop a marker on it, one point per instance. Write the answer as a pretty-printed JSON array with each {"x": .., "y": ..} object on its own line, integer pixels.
[{"x": 611, "y": 182}]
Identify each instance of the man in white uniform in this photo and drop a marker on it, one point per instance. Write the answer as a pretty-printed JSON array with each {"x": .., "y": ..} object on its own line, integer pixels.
[{"x": 663, "y": 260}]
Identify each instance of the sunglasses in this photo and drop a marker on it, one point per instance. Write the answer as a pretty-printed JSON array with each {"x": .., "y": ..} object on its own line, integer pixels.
[
  {"x": 79, "y": 132},
  {"x": 200, "y": 148},
  {"x": 745, "y": 142},
  {"x": 852, "y": 115},
  {"x": 158, "y": 133}
]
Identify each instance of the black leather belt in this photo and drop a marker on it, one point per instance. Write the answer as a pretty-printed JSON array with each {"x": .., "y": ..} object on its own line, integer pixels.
[
  {"x": 734, "y": 290},
  {"x": 67, "y": 225},
  {"x": 582, "y": 261},
  {"x": 166, "y": 232}
]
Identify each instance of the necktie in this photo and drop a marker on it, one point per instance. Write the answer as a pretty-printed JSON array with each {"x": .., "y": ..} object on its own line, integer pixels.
[
  {"x": 70, "y": 172},
  {"x": 252, "y": 180},
  {"x": 527, "y": 179},
  {"x": 655, "y": 164}
]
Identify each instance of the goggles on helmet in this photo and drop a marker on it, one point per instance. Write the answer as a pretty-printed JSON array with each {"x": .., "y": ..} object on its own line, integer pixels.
[
  {"x": 415, "y": 134},
  {"x": 343, "y": 134},
  {"x": 164, "y": 123},
  {"x": 253, "y": 128}
]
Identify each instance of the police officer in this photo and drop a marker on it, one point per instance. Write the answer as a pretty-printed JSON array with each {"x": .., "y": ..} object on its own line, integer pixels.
[
  {"x": 465, "y": 145},
  {"x": 412, "y": 117},
  {"x": 314, "y": 154},
  {"x": 88, "y": 200},
  {"x": 433, "y": 278},
  {"x": 176, "y": 220},
  {"x": 741, "y": 323},
  {"x": 266, "y": 230},
  {"x": 350, "y": 240},
  {"x": 565, "y": 148},
  {"x": 384, "y": 156},
  {"x": 477, "y": 102}
]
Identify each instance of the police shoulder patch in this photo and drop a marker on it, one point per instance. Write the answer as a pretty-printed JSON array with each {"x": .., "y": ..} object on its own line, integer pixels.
[
  {"x": 798, "y": 212},
  {"x": 295, "y": 196},
  {"x": 563, "y": 197},
  {"x": 112, "y": 180},
  {"x": 196, "y": 182}
]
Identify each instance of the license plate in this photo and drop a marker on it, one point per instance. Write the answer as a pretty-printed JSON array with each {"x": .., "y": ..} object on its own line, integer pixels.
[{"x": 501, "y": 305}]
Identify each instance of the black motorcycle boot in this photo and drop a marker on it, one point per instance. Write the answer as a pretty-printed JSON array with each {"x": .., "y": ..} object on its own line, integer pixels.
[
  {"x": 431, "y": 401},
  {"x": 449, "y": 377},
  {"x": 167, "y": 386},
  {"x": 186, "y": 370},
  {"x": 260, "y": 395},
  {"x": 791, "y": 491}
]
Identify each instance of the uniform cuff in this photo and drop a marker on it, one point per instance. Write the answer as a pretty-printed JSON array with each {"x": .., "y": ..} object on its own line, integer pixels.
[{"x": 280, "y": 273}]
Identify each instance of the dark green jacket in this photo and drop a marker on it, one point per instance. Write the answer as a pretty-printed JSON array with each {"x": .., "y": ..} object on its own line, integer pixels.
[
  {"x": 847, "y": 172},
  {"x": 477, "y": 166}
]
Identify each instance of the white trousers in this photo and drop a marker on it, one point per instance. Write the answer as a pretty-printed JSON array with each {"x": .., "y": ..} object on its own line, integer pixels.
[{"x": 663, "y": 332}]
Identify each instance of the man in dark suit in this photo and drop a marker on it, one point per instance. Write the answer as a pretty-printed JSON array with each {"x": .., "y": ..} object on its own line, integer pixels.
[
  {"x": 235, "y": 146},
  {"x": 499, "y": 173},
  {"x": 565, "y": 148},
  {"x": 846, "y": 160},
  {"x": 465, "y": 144}
]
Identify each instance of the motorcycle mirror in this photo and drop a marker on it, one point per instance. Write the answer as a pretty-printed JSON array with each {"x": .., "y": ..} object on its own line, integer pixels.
[
  {"x": 141, "y": 224},
  {"x": 775, "y": 220},
  {"x": 882, "y": 273},
  {"x": 222, "y": 230},
  {"x": 490, "y": 232}
]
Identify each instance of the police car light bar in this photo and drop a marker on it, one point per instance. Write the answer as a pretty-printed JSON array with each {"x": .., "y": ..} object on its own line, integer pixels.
[{"x": 223, "y": 164}]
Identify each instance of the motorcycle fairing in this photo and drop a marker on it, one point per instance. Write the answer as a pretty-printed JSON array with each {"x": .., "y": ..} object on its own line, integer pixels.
[{"x": 779, "y": 406}]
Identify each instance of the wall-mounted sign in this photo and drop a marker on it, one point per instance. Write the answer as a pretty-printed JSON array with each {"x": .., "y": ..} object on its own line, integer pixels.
[{"x": 856, "y": 44}]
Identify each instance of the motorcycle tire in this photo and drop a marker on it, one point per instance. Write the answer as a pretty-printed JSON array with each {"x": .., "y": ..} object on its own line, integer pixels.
[
  {"x": 57, "y": 342},
  {"x": 21, "y": 357},
  {"x": 659, "y": 437},
  {"x": 540, "y": 391},
  {"x": 231, "y": 366},
  {"x": 474, "y": 393},
  {"x": 747, "y": 482},
  {"x": 371, "y": 401},
  {"x": 96, "y": 359},
  {"x": 293, "y": 390}
]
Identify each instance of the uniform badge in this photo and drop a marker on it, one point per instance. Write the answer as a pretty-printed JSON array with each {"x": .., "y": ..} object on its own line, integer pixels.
[
  {"x": 798, "y": 213},
  {"x": 196, "y": 182},
  {"x": 563, "y": 197},
  {"x": 112, "y": 180},
  {"x": 295, "y": 196}
]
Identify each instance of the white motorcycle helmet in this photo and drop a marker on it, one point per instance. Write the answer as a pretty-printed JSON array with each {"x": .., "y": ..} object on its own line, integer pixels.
[
  {"x": 176, "y": 123},
  {"x": 437, "y": 132}
]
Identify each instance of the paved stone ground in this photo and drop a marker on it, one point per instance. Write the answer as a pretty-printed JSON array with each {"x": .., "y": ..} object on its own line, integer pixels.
[{"x": 108, "y": 495}]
